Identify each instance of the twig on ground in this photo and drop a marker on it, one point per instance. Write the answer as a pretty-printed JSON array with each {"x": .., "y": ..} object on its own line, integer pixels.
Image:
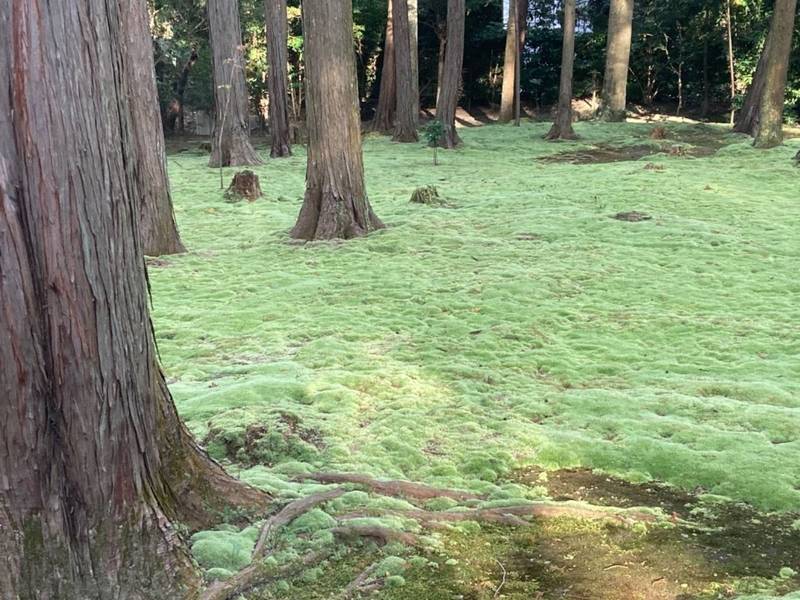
[{"x": 502, "y": 583}]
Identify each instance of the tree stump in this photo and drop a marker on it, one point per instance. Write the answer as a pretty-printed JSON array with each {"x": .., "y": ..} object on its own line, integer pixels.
[
  {"x": 658, "y": 133},
  {"x": 427, "y": 195},
  {"x": 244, "y": 185}
]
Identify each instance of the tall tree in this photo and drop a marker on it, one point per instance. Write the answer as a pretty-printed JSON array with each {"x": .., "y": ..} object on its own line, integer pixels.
[
  {"x": 515, "y": 40},
  {"x": 387, "y": 95},
  {"x": 335, "y": 203},
  {"x": 746, "y": 118},
  {"x": 562, "y": 125},
  {"x": 95, "y": 463},
  {"x": 230, "y": 142},
  {"x": 618, "y": 51},
  {"x": 450, "y": 89},
  {"x": 413, "y": 36},
  {"x": 405, "y": 129},
  {"x": 278, "y": 77},
  {"x": 157, "y": 228},
  {"x": 769, "y": 127}
]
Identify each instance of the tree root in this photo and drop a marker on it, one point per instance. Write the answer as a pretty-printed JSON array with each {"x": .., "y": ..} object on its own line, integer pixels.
[
  {"x": 288, "y": 514},
  {"x": 359, "y": 584},
  {"x": 405, "y": 489},
  {"x": 382, "y": 534}
]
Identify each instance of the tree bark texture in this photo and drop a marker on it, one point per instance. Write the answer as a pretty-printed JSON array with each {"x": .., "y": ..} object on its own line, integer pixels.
[
  {"x": 746, "y": 119},
  {"x": 413, "y": 35},
  {"x": 335, "y": 203},
  {"x": 278, "y": 77},
  {"x": 405, "y": 129},
  {"x": 387, "y": 95},
  {"x": 451, "y": 73},
  {"x": 618, "y": 52},
  {"x": 769, "y": 127},
  {"x": 95, "y": 465},
  {"x": 562, "y": 125},
  {"x": 230, "y": 141},
  {"x": 515, "y": 40},
  {"x": 157, "y": 228}
]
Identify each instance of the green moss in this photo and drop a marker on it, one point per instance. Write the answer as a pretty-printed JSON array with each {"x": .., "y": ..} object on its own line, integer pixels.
[{"x": 222, "y": 549}]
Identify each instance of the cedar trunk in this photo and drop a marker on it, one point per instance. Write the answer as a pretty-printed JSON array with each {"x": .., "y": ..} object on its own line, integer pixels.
[
  {"x": 95, "y": 465},
  {"x": 747, "y": 117},
  {"x": 413, "y": 36},
  {"x": 278, "y": 77},
  {"x": 515, "y": 40},
  {"x": 157, "y": 228},
  {"x": 230, "y": 140},
  {"x": 451, "y": 73},
  {"x": 562, "y": 125},
  {"x": 387, "y": 96},
  {"x": 769, "y": 127},
  {"x": 335, "y": 203},
  {"x": 618, "y": 51},
  {"x": 405, "y": 129}
]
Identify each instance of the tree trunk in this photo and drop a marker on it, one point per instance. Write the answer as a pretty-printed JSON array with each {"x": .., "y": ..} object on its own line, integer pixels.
[
  {"x": 451, "y": 73},
  {"x": 387, "y": 96},
  {"x": 413, "y": 35},
  {"x": 618, "y": 52},
  {"x": 441, "y": 34},
  {"x": 515, "y": 39},
  {"x": 562, "y": 125},
  {"x": 95, "y": 465},
  {"x": 335, "y": 204},
  {"x": 157, "y": 228},
  {"x": 278, "y": 77},
  {"x": 746, "y": 120},
  {"x": 769, "y": 129},
  {"x": 175, "y": 113},
  {"x": 230, "y": 140},
  {"x": 405, "y": 129},
  {"x": 731, "y": 63}
]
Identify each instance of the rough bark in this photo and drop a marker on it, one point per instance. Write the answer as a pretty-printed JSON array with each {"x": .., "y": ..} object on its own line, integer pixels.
[
  {"x": 618, "y": 51},
  {"x": 278, "y": 77},
  {"x": 405, "y": 129},
  {"x": 335, "y": 204},
  {"x": 515, "y": 40},
  {"x": 450, "y": 91},
  {"x": 769, "y": 128},
  {"x": 94, "y": 463},
  {"x": 562, "y": 125},
  {"x": 441, "y": 35},
  {"x": 746, "y": 119},
  {"x": 413, "y": 36},
  {"x": 387, "y": 96},
  {"x": 157, "y": 228},
  {"x": 230, "y": 140}
]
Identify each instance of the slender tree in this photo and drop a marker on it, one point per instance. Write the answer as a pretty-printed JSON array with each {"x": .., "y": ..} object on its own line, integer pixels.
[
  {"x": 278, "y": 77},
  {"x": 230, "y": 141},
  {"x": 387, "y": 95},
  {"x": 562, "y": 125},
  {"x": 405, "y": 128},
  {"x": 515, "y": 40},
  {"x": 95, "y": 464},
  {"x": 769, "y": 126},
  {"x": 618, "y": 51},
  {"x": 451, "y": 73},
  {"x": 336, "y": 203},
  {"x": 413, "y": 36},
  {"x": 157, "y": 228}
]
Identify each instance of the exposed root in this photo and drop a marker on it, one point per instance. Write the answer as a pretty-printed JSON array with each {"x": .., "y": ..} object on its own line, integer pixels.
[
  {"x": 359, "y": 584},
  {"x": 257, "y": 574},
  {"x": 405, "y": 489},
  {"x": 288, "y": 514},
  {"x": 382, "y": 534}
]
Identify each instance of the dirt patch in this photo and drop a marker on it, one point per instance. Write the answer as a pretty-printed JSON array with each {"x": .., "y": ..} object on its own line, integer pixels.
[
  {"x": 631, "y": 216},
  {"x": 602, "y": 153}
]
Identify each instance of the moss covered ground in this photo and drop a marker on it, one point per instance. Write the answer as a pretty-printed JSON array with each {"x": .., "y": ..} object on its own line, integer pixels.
[{"x": 517, "y": 325}]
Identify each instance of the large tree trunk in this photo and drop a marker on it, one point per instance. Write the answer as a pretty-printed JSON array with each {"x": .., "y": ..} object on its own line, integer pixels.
[
  {"x": 157, "y": 228},
  {"x": 746, "y": 120},
  {"x": 335, "y": 204},
  {"x": 562, "y": 125},
  {"x": 278, "y": 77},
  {"x": 769, "y": 128},
  {"x": 451, "y": 73},
  {"x": 230, "y": 141},
  {"x": 387, "y": 96},
  {"x": 515, "y": 40},
  {"x": 405, "y": 129},
  {"x": 413, "y": 36},
  {"x": 95, "y": 465},
  {"x": 618, "y": 52}
]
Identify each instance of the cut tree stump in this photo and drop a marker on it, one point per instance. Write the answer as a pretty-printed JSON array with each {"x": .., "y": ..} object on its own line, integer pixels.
[
  {"x": 427, "y": 195},
  {"x": 244, "y": 185}
]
